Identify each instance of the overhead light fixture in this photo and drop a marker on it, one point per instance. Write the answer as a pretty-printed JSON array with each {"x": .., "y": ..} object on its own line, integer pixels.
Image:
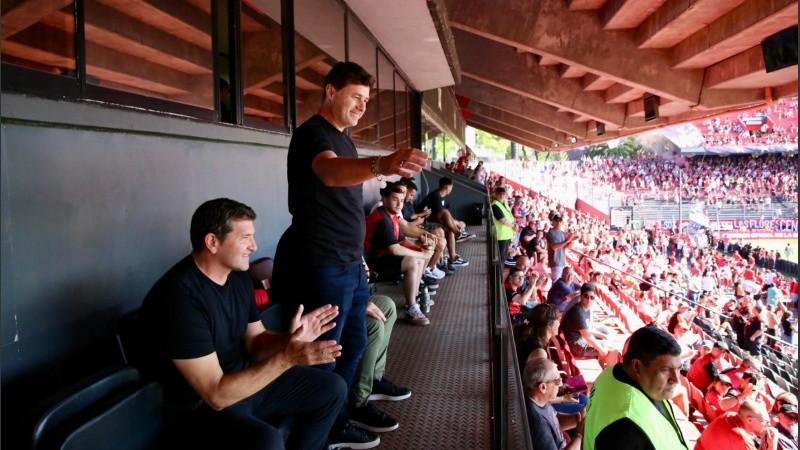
[
  {"x": 601, "y": 128},
  {"x": 556, "y": 145},
  {"x": 574, "y": 139}
]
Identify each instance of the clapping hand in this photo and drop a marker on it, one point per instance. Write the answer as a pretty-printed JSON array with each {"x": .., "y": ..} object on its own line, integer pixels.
[
  {"x": 310, "y": 326},
  {"x": 302, "y": 348}
]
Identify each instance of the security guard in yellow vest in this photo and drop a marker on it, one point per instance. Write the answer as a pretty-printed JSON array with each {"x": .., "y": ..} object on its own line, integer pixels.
[
  {"x": 629, "y": 404},
  {"x": 504, "y": 223}
]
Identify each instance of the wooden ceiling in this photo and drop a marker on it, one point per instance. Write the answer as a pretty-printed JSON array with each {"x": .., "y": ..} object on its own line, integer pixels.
[{"x": 544, "y": 72}]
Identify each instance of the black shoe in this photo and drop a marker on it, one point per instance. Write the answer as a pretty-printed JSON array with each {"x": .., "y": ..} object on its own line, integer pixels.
[
  {"x": 430, "y": 282},
  {"x": 386, "y": 390},
  {"x": 369, "y": 417},
  {"x": 446, "y": 269},
  {"x": 352, "y": 437}
]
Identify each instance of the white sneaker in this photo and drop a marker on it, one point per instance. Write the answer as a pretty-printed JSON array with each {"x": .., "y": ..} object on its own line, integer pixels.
[
  {"x": 432, "y": 274},
  {"x": 415, "y": 316},
  {"x": 438, "y": 272}
]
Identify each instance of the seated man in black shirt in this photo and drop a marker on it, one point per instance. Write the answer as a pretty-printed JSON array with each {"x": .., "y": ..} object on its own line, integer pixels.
[
  {"x": 454, "y": 230},
  {"x": 225, "y": 376}
]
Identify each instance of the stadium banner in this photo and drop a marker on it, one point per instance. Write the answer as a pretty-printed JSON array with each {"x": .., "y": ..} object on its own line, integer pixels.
[{"x": 743, "y": 229}]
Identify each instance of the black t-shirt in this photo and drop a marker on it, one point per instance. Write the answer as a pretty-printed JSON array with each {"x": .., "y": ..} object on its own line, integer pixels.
[
  {"x": 186, "y": 315},
  {"x": 408, "y": 211},
  {"x": 435, "y": 202},
  {"x": 575, "y": 320},
  {"x": 527, "y": 239},
  {"x": 330, "y": 220}
]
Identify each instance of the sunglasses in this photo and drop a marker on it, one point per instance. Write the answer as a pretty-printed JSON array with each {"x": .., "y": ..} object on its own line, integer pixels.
[{"x": 558, "y": 381}]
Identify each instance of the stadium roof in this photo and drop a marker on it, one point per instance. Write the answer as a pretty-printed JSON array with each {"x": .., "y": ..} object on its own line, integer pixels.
[{"x": 540, "y": 72}]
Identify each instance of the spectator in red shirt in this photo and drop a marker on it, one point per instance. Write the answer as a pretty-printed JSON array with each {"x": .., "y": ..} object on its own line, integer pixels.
[
  {"x": 737, "y": 431},
  {"x": 706, "y": 368}
]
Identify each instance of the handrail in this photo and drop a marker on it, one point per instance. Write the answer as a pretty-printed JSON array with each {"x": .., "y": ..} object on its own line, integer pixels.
[
  {"x": 502, "y": 345},
  {"x": 681, "y": 297}
]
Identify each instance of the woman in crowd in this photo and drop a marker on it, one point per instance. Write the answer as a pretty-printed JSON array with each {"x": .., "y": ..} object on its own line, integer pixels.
[{"x": 532, "y": 340}]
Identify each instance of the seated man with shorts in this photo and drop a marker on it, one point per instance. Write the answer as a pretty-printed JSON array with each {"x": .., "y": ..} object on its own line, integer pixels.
[
  {"x": 387, "y": 251},
  {"x": 226, "y": 378},
  {"x": 583, "y": 338},
  {"x": 411, "y": 224},
  {"x": 454, "y": 229}
]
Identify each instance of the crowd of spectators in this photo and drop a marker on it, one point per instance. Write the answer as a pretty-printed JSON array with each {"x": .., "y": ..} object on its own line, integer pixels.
[
  {"x": 778, "y": 125},
  {"x": 735, "y": 179},
  {"x": 673, "y": 283}
]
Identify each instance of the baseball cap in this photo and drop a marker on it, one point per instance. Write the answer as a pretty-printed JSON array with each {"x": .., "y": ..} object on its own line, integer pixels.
[
  {"x": 707, "y": 344},
  {"x": 555, "y": 218},
  {"x": 725, "y": 379},
  {"x": 788, "y": 408},
  {"x": 722, "y": 346}
]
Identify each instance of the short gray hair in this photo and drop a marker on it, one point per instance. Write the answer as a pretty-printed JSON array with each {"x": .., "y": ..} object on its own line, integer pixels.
[{"x": 535, "y": 373}]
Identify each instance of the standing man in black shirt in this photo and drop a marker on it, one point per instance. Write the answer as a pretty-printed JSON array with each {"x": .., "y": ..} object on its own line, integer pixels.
[
  {"x": 224, "y": 375},
  {"x": 319, "y": 259}
]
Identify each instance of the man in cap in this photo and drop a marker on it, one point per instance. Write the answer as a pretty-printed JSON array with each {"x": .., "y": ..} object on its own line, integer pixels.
[
  {"x": 706, "y": 368},
  {"x": 629, "y": 405},
  {"x": 787, "y": 427}
]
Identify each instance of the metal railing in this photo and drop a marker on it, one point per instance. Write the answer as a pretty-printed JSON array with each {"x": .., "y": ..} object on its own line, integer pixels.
[{"x": 508, "y": 399}]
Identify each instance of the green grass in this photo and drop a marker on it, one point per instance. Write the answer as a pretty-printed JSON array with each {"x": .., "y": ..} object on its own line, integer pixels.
[{"x": 775, "y": 244}]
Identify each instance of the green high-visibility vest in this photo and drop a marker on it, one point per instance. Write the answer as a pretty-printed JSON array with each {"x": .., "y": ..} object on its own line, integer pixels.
[
  {"x": 611, "y": 400},
  {"x": 504, "y": 233}
]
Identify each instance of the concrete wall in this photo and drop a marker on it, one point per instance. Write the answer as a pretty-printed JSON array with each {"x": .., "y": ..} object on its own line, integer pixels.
[{"x": 96, "y": 205}]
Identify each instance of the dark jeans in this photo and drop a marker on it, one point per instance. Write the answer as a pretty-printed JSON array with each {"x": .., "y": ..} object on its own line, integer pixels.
[
  {"x": 312, "y": 397},
  {"x": 503, "y": 248},
  {"x": 296, "y": 282}
]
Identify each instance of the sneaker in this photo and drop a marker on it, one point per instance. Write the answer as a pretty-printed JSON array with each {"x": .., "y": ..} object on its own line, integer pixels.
[
  {"x": 464, "y": 236},
  {"x": 446, "y": 269},
  {"x": 451, "y": 267},
  {"x": 386, "y": 390},
  {"x": 414, "y": 315},
  {"x": 352, "y": 437},
  {"x": 459, "y": 262},
  {"x": 510, "y": 262},
  {"x": 435, "y": 274},
  {"x": 438, "y": 272},
  {"x": 430, "y": 282},
  {"x": 370, "y": 418}
]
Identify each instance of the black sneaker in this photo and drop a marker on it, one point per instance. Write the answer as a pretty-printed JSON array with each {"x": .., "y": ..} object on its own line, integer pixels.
[
  {"x": 446, "y": 269},
  {"x": 430, "y": 282},
  {"x": 464, "y": 236},
  {"x": 369, "y": 417},
  {"x": 386, "y": 390},
  {"x": 352, "y": 437}
]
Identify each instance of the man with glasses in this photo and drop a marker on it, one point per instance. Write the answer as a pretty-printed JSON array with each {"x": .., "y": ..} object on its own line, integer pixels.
[
  {"x": 743, "y": 430},
  {"x": 582, "y": 336},
  {"x": 541, "y": 381},
  {"x": 629, "y": 405}
]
